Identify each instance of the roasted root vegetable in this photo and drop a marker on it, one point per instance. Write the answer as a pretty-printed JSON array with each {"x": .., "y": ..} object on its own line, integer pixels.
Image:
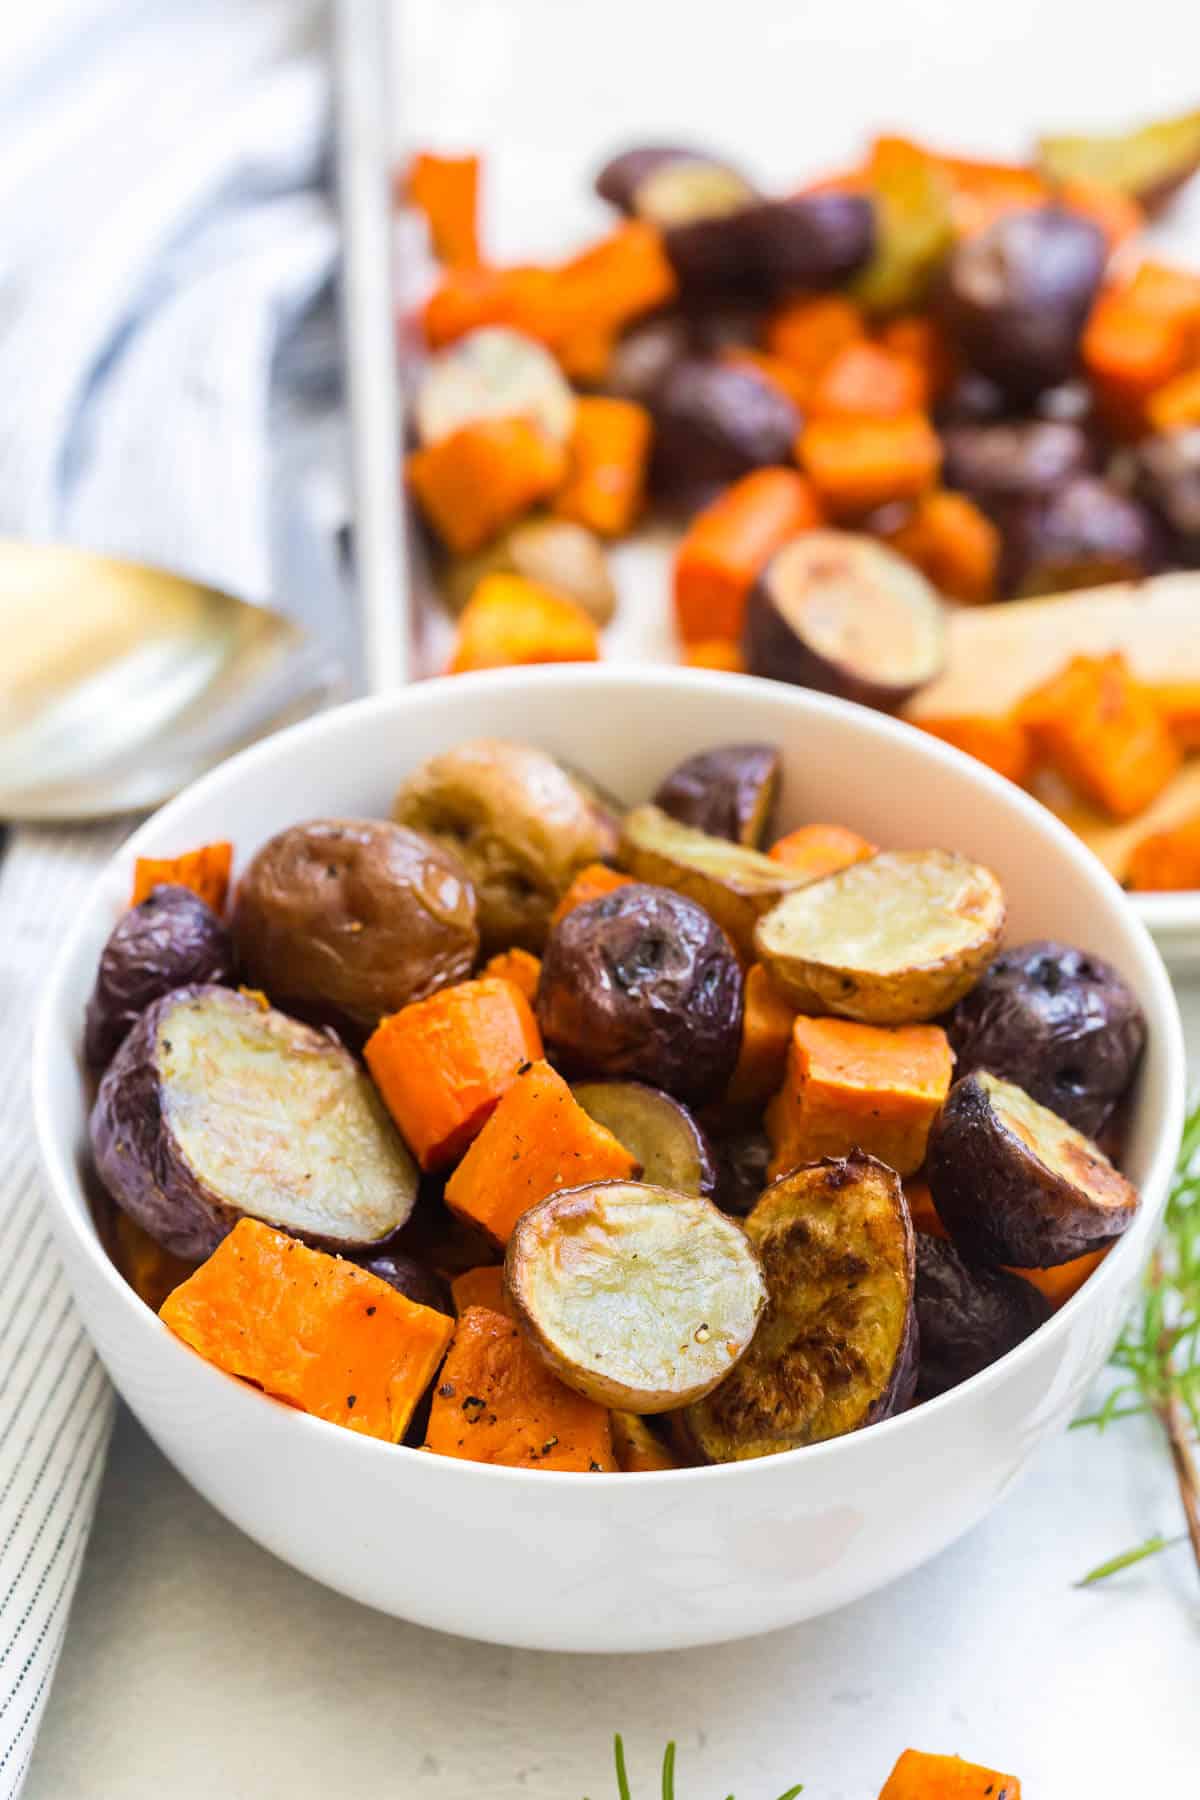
[
  {"x": 642, "y": 984},
  {"x": 424, "y": 1287},
  {"x": 807, "y": 333},
  {"x": 151, "y": 1271},
  {"x": 446, "y": 190},
  {"x": 1000, "y": 461},
  {"x": 170, "y": 939},
  {"x": 522, "y": 826},
  {"x": 856, "y": 464},
  {"x": 443, "y": 1064},
  {"x": 638, "y": 1448},
  {"x": 968, "y": 1315},
  {"x": 619, "y": 180},
  {"x": 729, "y": 792},
  {"x": 1168, "y": 481},
  {"x": 310, "y": 1329},
  {"x": 590, "y": 883},
  {"x": 555, "y": 553},
  {"x": 205, "y": 871},
  {"x": 1057, "y": 1285},
  {"x": 913, "y": 206},
  {"x": 868, "y": 381},
  {"x": 519, "y": 967},
  {"x": 1002, "y": 742},
  {"x": 1165, "y": 861},
  {"x": 510, "y": 621},
  {"x": 840, "y": 613},
  {"x": 217, "y": 1106},
  {"x": 1061, "y": 1023},
  {"x": 1080, "y": 535},
  {"x": 483, "y": 476},
  {"x": 493, "y": 374},
  {"x": 346, "y": 920},
  {"x": 610, "y": 284},
  {"x": 537, "y": 1140},
  {"x": 483, "y": 1286},
  {"x": 743, "y": 1158},
  {"x": 1101, "y": 730},
  {"x": 767, "y": 1020},
  {"x": 660, "y": 1133},
  {"x": 836, "y": 1349},
  {"x": 495, "y": 1401},
  {"x": 890, "y": 941},
  {"x": 735, "y": 885},
  {"x": 639, "y": 1298},
  {"x": 714, "y": 423},
  {"x": 1148, "y": 162},
  {"x": 816, "y": 850},
  {"x": 608, "y": 452},
  {"x": 953, "y": 543},
  {"x": 727, "y": 546},
  {"x": 920, "y": 1776},
  {"x": 1015, "y": 1184},
  {"x": 849, "y": 1086}
]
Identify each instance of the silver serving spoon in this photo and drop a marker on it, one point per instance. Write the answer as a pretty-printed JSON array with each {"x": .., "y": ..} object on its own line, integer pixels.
[{"x": 120, "y": 683}]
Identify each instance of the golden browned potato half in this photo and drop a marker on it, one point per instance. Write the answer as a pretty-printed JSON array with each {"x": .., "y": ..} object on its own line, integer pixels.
[{"x": 733, "y": 884}]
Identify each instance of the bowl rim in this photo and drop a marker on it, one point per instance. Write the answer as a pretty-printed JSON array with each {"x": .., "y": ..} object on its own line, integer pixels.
[{"x": 68, "y": 1201}]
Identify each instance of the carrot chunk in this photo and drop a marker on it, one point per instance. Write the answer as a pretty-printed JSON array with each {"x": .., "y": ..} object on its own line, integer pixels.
[
  {"x": 1130, "y": 349},
  {"x": 807, "y": 334},
  {"x": 310, "y": 1329},
  {"x": 524, "y": 297},
  {"x": 1059, "y": 1283},
  {"x": 592, "y": 881},
  {"x": 521, "y": 967},
  {"x": 151, "y": 1271},
  {"x": 483, "y": 1286},
  {"x": 952, "y": 542},
  {"x": 443, "y": 1063},
  {"x": 922, "y": 340},
  {"x": 509, "y": 621},
  {"x": 1175, "y": 405},
  {"x": 782, "y": 376},
  {"x": 538, "y": 1139},
  {"x": 868, "y": 381},
  {"x": 1103, "y": 733},
  {"x": 1002, "y": 743},
  {"x": 1179, "y": 704},
  {"x": 818, "y": 850},
  {"x": 497, "y": 1402},
  {"x": 446, "y": 190},
  {"x": 858, "y": 464},
  {"x": 613, "y": 281},
  {"x": 866, "y": 1086},
  {"x": 925, "y": 1215},
  {"x": 205, "y": 871},
  {"x": 1166, "y": 861},
  {"x": 920, "y": 1776},
  {"x": 730, "y": 543},
  {"x": 767, "y": 1020},
  {"x": 482, "y": 477},
  {"x": 606, "y": 471}
]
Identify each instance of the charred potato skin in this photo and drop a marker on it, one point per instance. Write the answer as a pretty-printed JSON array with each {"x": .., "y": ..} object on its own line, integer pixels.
[
  {"x": 171, "y": 940},
  {"x": 520, "y": 824},
  {"x": 1000, "y": 461},
  {"x": 733, "y": 884},
  {"x": 619, "y": 179},
  {"x": 729, "y": 791},
  {"x": 713, "y": 423},
  {"x": 1001, "y": 1204},
  {"x": 968, "y": 1315},
  {"x": 643, "y": 985},
  {"x": 1057, "y": 1021},
  {"x": 1082, "y": 533},
  {"x": 343, "y": 921}
]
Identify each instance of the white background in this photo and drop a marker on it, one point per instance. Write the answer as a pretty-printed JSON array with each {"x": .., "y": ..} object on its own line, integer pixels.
[{"x": 196, "y": 1665}]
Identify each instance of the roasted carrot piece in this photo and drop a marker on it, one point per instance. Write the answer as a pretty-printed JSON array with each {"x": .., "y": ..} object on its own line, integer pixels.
[
  {"x": 205, "y": 871},
  {"x": 868, "y": 381},
  {"x": 446, "y": 190},
  {"x": 483, "y": 1286},
  {"x": 952, "y": 542},
  {"x": 795, "y": 386},
  {"x": 585, "y": 353},
  {"x": 606, "y": 465},
  {"x": 729, "y": 543},
  {"x": 857, "y": 464},
  {"x": 1118, "y": 215},
  {"x": 919, "y": 337},
  {"x": 521, "y": 967},
  {"x": 721, "y": 654},
  {"x": 767, "y": 1020},
  {"x": 1179, "y": 704},
  {"x": 1166, "y": 861},
  {"x": 151, "y": 1271},
  {"x": 1059, "y": 1283},
  {"x": 807, "y": 334},
  {"x": 311, "y": 1329},
  {"x": 483, "y": 476},
  {"x": 497, "y": 1402},
  {"x": 1176, "y": 404},
  {"x": 465, "y": 300},
  {"x": 637, "y": 1446},
  {"x": 510, "y": 620},
  {"x": 818, "y": 850},
  {"x": 443, "y": 1063},
  {"x": 925, "y": 1216},
  {"x": 1103, "y": 733},
  {"x": 590, "y": 883},
  {"x": 920, "y": 1776},
  {"x": 1002, "y": 743},
  {"x": 1130, "y": 349},
  {"x": 538, "y": 1139},
  {"x": 871, "y": 1086},
  {"x": 613, "y": 281},
  {"x": 1166, "y": 289}
]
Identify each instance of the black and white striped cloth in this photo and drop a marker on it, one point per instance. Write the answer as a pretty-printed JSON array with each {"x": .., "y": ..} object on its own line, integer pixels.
[{"x": 167, "y": 359}]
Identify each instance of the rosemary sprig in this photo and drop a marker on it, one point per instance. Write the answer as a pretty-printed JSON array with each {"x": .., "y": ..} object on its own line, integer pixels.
[
  {"x": 668, "y": 1774},
  {"x": 1159, "y": 1353}
]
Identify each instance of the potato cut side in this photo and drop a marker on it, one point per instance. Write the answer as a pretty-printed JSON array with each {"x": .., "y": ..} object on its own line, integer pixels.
[
  {"x": 493, "y": 374},
  {"x": 1015, "y": 1184},
  {"x": 658, "y": 1132},
  {"x": 837, "y": 1347},
  {"x": 639, "y": 1298},
  {"x": 893, "y": 940},
  {"x": 734, "y": 885}
]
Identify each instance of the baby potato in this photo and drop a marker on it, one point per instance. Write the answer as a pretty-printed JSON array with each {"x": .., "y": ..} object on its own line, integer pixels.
[
  {"x": 837, "y": 1346},
  {"x": 968, "y": 1315},
  {"x": 998, "y": 462},
  {"x": 557, "y": 553},
  {"x": 714, "y": 422},
  {"x": 1081, "y": 534},
  {"x": 522, "y": 826},
  {"x": 735, "y": 885},
  {"x": 729, "y": 792},
  {"x": 892, "y": 940},
  {"x": 658, "y": 1132},
  {"x": 1015, "y": 1184},
  {"x": 637, "y": 1297},
  {"x": 1167, "y": 479},
  {"x": 622, "y": 175},
  {"x": 346, "y": 920},
  {"x": 171, "y": 940},
  {"x": 493, "y": 374}
]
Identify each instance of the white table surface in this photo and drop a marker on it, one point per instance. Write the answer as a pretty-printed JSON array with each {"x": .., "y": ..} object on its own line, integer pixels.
[{"x": 196, "y": 1665}]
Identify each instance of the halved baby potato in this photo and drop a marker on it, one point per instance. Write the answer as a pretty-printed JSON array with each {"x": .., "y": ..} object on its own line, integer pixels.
[
  {"x": 733, "y": 884},
  {"x": 837, "y": 1348},
  {"x": 729, "y": 792},
  {"x": 1015, "y": 1184},
  {"x": 891, "y": 940},
  {"x": 639, "y": 1298},
  {"x": 659, "y": 1132},
  {"x": 216, "y": 1106},
  {"x": 493, "y": 373}
]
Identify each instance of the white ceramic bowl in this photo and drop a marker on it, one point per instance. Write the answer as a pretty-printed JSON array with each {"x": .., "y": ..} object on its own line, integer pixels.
[
  {"x": 1173, "y": 921},
  {"x": 577, "y": 1562}
]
